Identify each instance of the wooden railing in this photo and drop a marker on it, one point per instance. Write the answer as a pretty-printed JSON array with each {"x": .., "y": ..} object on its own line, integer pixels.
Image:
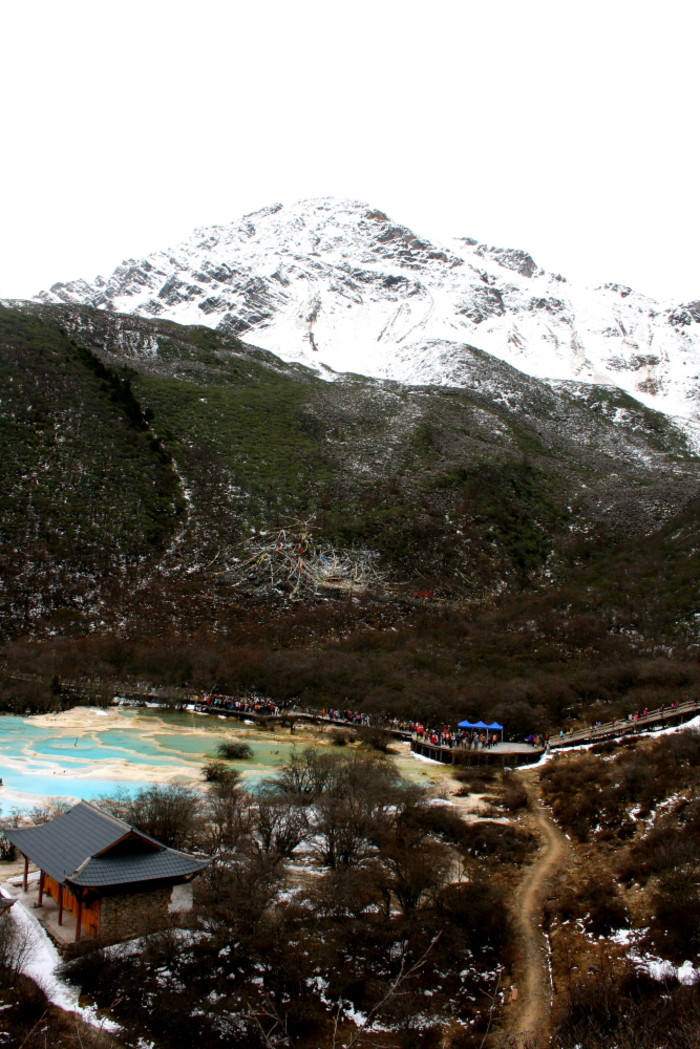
[
  {"x": 659, "y": 718},
  {"x": 501, "y": 755}
]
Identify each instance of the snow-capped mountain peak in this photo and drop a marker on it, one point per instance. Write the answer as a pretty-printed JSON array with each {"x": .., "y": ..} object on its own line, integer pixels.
[{"x": 336, "y": 284}]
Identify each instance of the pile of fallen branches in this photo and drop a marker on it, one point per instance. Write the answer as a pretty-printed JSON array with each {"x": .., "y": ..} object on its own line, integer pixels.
[{"x": 289, "y": 561}]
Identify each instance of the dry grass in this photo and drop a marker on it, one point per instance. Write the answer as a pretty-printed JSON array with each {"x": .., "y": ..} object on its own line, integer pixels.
[{"x": 30, "y": 1021}]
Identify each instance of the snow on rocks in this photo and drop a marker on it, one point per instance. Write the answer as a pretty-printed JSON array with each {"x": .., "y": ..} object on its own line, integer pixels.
[
  {"x": 658, "y": 968},
  {"x": 335, "y": 284}
]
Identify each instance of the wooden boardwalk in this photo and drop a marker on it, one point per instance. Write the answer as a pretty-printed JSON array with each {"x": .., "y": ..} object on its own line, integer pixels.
[
  {"x": 663, "y": 717},
  {"x": 501, "y": 754},
  {"x": 509, "y": 754},
  {"x": 513, "y": 754}
]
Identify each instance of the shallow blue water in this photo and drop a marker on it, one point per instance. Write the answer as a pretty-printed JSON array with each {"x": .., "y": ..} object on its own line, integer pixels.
[
  {"x": 45, "y": 759},
  {"x": 57, "y": 786}
]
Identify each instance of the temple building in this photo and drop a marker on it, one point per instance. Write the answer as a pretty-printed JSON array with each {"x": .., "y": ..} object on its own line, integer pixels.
[{"x": 115, "y": 880}]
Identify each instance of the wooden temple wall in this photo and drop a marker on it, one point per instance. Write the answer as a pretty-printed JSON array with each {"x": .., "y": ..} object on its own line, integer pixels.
[
  {"x": 120, "y": 916},
  {"x": 91, "y": 907}
]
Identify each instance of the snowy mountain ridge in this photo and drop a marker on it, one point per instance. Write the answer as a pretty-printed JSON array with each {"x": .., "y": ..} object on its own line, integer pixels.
[{"x": 339, "y": 287}]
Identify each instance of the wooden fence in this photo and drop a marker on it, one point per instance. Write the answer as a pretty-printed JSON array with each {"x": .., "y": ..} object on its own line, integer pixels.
[{"x": 663, "y": 717}]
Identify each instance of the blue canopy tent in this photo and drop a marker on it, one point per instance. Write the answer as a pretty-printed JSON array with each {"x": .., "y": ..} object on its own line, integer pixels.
[{"x": 493, "y": 727}]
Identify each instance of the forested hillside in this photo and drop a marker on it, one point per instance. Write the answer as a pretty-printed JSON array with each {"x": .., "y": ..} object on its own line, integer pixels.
[{"x": 182, "y": 508}]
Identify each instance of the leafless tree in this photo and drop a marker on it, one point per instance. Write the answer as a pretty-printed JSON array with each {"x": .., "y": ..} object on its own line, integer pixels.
[
  {"x": 226, "y": 819},
  {"x": 16, "y": 947},
  {"x": 280, "y": 825}
]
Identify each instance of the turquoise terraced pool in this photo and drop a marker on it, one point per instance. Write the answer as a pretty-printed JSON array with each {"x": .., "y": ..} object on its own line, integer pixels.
[{"x": 85, "y": 753}]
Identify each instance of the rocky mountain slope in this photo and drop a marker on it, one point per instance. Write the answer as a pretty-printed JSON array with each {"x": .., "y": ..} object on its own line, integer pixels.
[
  {"x": 338, "y": 285},
  {"x": 160, "y": 477}
]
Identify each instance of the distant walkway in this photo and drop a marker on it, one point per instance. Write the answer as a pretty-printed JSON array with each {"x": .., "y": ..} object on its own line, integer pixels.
[
  {"x": 501, "y": 753},
  {"x": 289, "y": 716},
  {"x": 662, "y": 717}
]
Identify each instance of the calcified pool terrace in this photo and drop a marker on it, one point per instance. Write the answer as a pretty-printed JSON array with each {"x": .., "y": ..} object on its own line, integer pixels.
[{"x": 86, "y": 753}]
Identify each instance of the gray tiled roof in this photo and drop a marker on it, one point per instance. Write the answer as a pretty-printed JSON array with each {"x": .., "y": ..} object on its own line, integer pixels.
[
  {"x": 142, "y": 866},
  {"x": 75, "y": 847}
]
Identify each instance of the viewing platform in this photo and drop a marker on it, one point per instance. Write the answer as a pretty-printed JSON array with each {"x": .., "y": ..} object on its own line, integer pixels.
[{"x": 502, "y": 754}]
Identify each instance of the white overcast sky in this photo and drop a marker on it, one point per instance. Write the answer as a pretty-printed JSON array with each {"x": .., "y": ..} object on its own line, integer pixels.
[{"x": 568, "y": 128}]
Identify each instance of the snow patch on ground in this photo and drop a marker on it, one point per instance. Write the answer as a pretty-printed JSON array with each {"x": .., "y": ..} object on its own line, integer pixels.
[
  {"x": 42, "y": 964},
  {"x": 662, "y": 970},
  {"x": 658, "y": 968}
]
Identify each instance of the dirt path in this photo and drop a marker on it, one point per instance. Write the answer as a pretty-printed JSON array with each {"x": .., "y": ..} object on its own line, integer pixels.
[{"x": 527, "y": 1017}]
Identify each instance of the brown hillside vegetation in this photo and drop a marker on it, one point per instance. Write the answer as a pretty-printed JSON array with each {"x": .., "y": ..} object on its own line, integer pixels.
[
  {"x": 631, "y": 888},
  {"x": 347, "y": 907}
]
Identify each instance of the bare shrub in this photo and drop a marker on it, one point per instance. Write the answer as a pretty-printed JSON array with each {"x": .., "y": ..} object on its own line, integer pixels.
[
  {"x": 478, "y": 909},
  {"x": 347, "y": 893},
  {"x": 631, "y": 1011},
  {"x": 352, "y": 795},
  {"x": 234, "y": 750},
  {"x": 593, "y": 1013},
  {"x": 442, "y": 821},
  {"x": 674, "y": 930},
  {"x": 589, "y": 794},
  {"x": 474, "y": 778},
  {"x": 87, "y": 966},
  {"x": 477, "y": 778},
  {"x": 662, "y": 849},
  {"x": 47, "y": 811},
  {"x": 605, "y": 749},
  {"x": 597, "y": 902},
  {"x": 515, "y": 794},
  {"x": 226, "y": 823},
  {"x": 306, "y": 774},
  {"x": 342, "y": 737},
  {"x": 569, "y": 788},
  {"x": 376, "y": 739},
  {"x": 217, "y": 772},
  {"x": 237, "y": 894},
  {"x": 414, "y": 870},
  {"x": 499, "y": 842},
  {"x": 15, "y": 948},
  {"x": 345, "y": 825}
]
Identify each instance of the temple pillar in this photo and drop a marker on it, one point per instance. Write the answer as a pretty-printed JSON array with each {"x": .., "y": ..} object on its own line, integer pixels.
[
  {"x": 25, "y": 883},
  {"x": 41, "y": 889},
  {"x": 79, "y": 917}
]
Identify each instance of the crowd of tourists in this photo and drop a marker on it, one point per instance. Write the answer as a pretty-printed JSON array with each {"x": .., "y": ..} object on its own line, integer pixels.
[
  {"x": 261, "y": 707},
  {"x": 466, "y": 739},
  {"x": 442, "y": 736},
  {"x": 241, "y": 705},
  {"x": 347, "y": 717}
]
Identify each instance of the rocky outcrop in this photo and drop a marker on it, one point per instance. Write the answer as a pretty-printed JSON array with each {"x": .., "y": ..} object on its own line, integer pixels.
[{"x": 339, "y": 285}]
